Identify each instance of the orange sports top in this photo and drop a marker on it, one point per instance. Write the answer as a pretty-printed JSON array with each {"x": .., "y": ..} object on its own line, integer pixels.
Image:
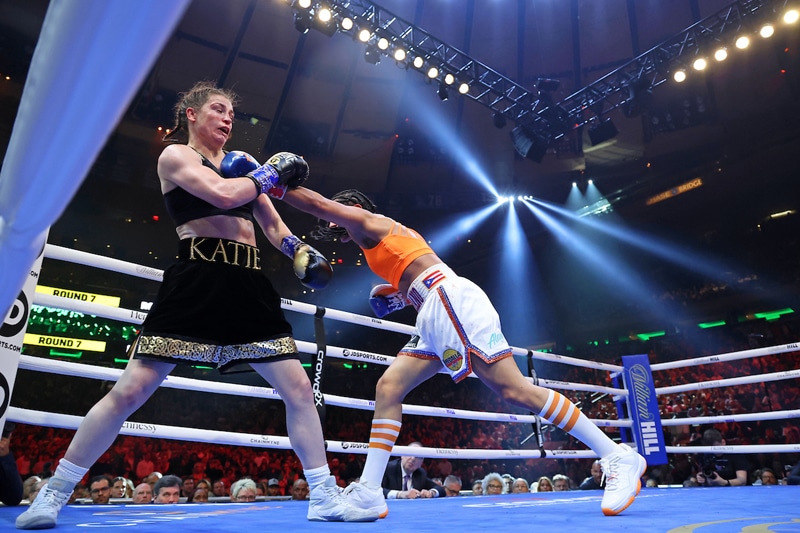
[{"x": 392, "y": 255}]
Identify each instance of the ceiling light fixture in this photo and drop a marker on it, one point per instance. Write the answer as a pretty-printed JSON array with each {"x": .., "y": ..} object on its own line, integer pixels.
[
  {"x": 442, "y": 92},
  {"x": 742, "y": 42}
]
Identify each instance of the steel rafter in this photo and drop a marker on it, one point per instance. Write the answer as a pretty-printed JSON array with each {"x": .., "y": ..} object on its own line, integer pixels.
[{"x": 519, "y": 105}]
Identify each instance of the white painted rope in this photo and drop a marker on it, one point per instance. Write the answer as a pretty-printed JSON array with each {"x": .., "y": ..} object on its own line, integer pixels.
[{"x": 220, "y": 437}]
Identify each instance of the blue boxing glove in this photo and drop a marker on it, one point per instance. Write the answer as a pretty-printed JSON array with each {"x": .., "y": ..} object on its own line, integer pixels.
[
  {"x": 385, "y": 299},
  {"x": 314, "y": 271},
  {"x": 238, "y": 164},
  {"x": 283, "y": 170}
]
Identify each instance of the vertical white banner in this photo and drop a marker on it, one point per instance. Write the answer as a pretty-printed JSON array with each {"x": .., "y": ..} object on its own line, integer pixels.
[{"x": 12, "y": 332}]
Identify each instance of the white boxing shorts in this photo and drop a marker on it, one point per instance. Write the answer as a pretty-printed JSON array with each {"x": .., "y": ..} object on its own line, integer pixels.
[{"x": 455, "y": 321}]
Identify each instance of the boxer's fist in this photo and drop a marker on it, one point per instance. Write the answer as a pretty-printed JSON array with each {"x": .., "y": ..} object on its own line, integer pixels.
[
  {"x": 314, "y": 271},
  {"x": 310, "y": 266},
  {"x": 284, "y": 170},
  {"x": 385, "y": 299},
  {"x": 292, "y": 169},
  {"x": 237, "y": 164}
]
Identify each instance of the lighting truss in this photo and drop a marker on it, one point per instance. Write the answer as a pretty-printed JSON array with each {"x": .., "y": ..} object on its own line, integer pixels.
[
  {"x": 526, "y": 108},
  {"x": 651, "y": 68}
]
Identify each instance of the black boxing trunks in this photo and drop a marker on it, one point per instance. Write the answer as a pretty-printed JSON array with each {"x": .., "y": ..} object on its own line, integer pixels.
[{"x": 216, "y": 308}]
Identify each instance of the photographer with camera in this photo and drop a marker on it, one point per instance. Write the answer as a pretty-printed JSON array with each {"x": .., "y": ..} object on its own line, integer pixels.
[
  {"x": 720, "y": 470},
  {"x": 10, "y": 480}
]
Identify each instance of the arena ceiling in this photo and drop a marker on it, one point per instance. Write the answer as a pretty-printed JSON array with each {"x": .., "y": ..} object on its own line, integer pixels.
[{"x": 735, "y": 126}]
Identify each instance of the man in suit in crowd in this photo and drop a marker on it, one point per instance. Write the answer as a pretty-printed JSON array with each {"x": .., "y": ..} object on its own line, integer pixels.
[{"x": 406, "y": 479}]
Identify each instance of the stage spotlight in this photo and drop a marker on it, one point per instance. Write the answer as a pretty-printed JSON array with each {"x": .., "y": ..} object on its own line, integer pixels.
[
  {"x": 372, "y": 55},
  {"x": 383, "y": 43},
  {"x": 767, "y": 31},
  {"x": 324, "y": 22},
  {"x": 529, "y": 144},
  {"x": 602, "y": 132},
  {"x": 418, "y": 62},
  {"x": 742, "y": 42},
  {"x": 346, "y": 24},
  {"x": 305, "y": 4},
  {"x": 449, "y": 79},
  {"x": 499, "y": 120},
  {"x": 721, "y": 54},
  {"x": 547, "y": 85},
  {"x": 302, "y": 21},
  {"x": 399, "y": 54},
  {"x": 791, "y": 16},
  {"x": 442, "y": 92},
  {"x": 433, "y": 72},
  {"x": 679, "y": 76},
  {"x": 364, "y": 35},
  {"x": 640, "y": 96},
  {"x": 463, "y": 88},
  {"x": 700, "y": 63}
]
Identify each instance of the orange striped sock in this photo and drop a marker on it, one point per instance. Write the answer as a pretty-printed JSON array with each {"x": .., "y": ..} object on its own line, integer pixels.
[
  {"x": 382, "y": 437},
  {"x": 561, "y": 412}
]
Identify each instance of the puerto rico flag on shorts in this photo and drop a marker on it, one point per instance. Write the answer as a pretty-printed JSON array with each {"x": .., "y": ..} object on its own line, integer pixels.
[{"x": 433, "y": 278}]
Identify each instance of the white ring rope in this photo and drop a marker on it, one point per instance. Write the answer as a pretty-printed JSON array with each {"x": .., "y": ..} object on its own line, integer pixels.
[
  {"x": 132, "y": 316},
  {"x": 52, "y": 251},
  {"x": 221, "y": 437},
  {"x": 67, "y": 368},
  {"x": 106, "y": 263},
  {"x": 742, "y": 417},
  {"x": 729, "y": 382},
  {"x": 137, "y": 317},
  {"x": 142, "y": 429},
  {"x": 732, "y": 356}
]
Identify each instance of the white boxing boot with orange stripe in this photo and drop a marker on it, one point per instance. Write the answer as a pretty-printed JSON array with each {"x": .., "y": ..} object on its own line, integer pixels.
[
  {"x": 622, "y": 466},
  {"x": 367, "y": 498},
  {"x": 623, "y": 473}
]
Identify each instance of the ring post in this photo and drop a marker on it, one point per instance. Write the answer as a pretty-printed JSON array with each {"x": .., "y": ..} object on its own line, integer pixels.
[{"x": 12, "y": 333}]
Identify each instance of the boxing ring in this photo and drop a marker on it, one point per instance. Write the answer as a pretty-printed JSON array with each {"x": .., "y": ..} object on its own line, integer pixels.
[{"x": 656, "y": 509}]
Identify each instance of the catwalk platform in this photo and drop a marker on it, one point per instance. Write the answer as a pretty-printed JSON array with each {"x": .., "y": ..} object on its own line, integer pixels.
[{"x": 668, "y": 510}]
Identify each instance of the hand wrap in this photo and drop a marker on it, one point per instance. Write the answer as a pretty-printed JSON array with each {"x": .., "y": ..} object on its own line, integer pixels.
[{"x": 385, "y": 299}]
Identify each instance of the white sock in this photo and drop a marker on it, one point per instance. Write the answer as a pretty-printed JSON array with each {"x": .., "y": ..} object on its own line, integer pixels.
[
  {"x": 317, "y": 476},
  {"x": 69, "y": 474},
  {"x": 561, "y": 412},
  {"x": 382, "y": 438}
]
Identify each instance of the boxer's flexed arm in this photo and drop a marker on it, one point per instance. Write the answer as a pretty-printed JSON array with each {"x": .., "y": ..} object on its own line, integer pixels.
[
  {"x": 181, "y": 166},
  {"x": 366, "y": 229}
]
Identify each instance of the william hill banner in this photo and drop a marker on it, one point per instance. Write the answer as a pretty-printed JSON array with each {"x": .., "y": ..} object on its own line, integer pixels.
[{"x": 643, "y": 407}]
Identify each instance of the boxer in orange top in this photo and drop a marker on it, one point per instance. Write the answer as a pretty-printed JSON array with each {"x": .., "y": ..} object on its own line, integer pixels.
[{"x": 457, "y": 327}]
